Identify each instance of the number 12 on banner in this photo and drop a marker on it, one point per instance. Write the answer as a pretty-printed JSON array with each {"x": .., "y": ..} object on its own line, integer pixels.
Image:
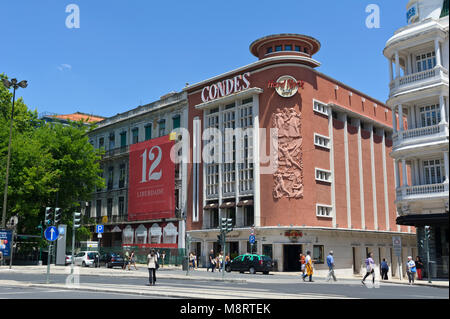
[{"x": 152, "y": 175}]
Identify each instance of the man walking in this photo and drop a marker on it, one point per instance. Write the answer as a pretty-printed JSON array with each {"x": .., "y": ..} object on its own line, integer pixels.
[
  {"x": 331, "y": 265},
  {"x": 370, "y": 268}
]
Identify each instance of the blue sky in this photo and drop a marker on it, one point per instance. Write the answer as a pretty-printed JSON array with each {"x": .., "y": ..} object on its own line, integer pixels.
[{"x": 129, "y": 53}]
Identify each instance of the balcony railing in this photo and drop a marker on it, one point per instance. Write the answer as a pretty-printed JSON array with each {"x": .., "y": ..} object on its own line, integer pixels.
[
  {"x": 420, "y": 134},
  {"x": 422, "y": 191},
  {"x": 417, "y": 77},
  {"x": 117, "y": 151}
]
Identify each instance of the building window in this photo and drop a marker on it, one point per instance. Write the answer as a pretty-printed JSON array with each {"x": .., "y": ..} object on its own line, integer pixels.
[
  {"x": 135, "y": 137},
  {"x": 214, "y": 222},
  {"x": 269, "y": 50},
  {"x": 323, "y": 210},
  {"x": 88, "y": 210},
  {"x": 246, "y": 101},
  {"x": 98, "y": 208},
  {"x": 109, "y": 207},
  {"x": 122, "y": 176},
  {"x": 323, "y": 175},
  {"x": 267, "y": 250},
  {"x": 162, "y": 128},
  {"x": 430, "y": 115},
  {"x": 305, "y": 50},
  {"x": 112, "y": 141},
  {"x": 321, "y": 141},
  {"x": 298, "y": 48},
  {"x": 433, "y": 170},
  {"x": 252, "y": 249},
  {"x": 278, "y": 48},
  {"x": 176, "y": 122},
  {"x": 288, "y": 47},
  {"x": 318, "y": 254},
  {"x": 123, "y": 139},
  {"x": 425, "y": 61},
  {"x": 121, "y": 206},
  {"x": 148, "y": 132},
  {"x": 249, "y": 216},
  {"x": 320, "y": 108},
  {"x": 246, "y": 148},
  {"x": 101, "y": 142},
  {"x": 110, "y": 177},
  {"x": 229, "y": 153},
  {"x": 212, "y": 169}
]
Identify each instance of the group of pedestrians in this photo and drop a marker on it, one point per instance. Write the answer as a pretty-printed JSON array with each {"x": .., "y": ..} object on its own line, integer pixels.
[
  {"x": 307, "y": 267},
  {"x": 216, "y": 262}
]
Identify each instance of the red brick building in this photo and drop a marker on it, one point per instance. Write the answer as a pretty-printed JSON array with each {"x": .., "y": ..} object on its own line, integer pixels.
[{"x": 333, "y": 186}]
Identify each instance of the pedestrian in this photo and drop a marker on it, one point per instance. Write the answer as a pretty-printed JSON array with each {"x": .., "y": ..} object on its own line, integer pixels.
[
  {"x": 195, "y": 261},
  {"x": 212, "y": 261},
  {"x": 331, "y": 265},
  {"x": 384, "y": 269},
  {"x": 411, "y": 270},
  {"x": 191, "y": 261},
  {"x": 419, "y": 267},
  {"x": 152, "y": 260},
  {"x": 126, "y": 260},
  {"x": 1, "y": 258},
  {"x": 370, "y": 268},
  {"x": 302, "y": 263},
  {"x": 308, "y": 267},
  {"x": 132, "y": 260},
  {"x": 163, "y": 256},
  {"x": 220, "y": 261}
]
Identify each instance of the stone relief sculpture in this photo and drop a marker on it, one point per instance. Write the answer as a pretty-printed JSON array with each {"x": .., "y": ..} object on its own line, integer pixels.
[{"x": 288, "y": 180}]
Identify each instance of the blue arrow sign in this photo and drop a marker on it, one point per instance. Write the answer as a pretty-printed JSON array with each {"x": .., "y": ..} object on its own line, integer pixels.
[
  {"x": 99, "y": 229},
  {"x": 51, "y": 233},
  {"x": 251, "y": 239}
]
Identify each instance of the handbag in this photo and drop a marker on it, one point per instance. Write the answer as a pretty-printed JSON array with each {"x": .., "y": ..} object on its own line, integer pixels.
[
  {"x": 156, "y": 264},
  {"x": 413, "y": 269}
]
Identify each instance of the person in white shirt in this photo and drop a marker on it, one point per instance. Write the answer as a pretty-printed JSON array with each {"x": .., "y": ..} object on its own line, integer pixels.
[{"x": 411, "y": 270}]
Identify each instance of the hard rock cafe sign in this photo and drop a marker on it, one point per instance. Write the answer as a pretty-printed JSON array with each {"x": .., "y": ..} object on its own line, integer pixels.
[
  {"x": 293, "y": 235},
  {"x": 288, "y": 179},
  {"x": 286, "y": 86}
]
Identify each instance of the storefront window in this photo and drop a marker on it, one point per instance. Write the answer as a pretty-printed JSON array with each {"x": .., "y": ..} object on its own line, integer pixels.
[
  {"x": 318, "y": 254},
  {"x": 128, "y": 235},
  {"x": 155, "y": 234},
  {"x": 170, "y": 234}
]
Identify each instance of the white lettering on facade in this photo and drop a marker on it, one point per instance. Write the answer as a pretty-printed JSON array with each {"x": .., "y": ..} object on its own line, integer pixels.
[{"x": 226, "y": 87}]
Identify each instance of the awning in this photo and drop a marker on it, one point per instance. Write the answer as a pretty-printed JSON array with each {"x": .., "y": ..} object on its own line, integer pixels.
[
  {"x": 247, "y": 202},
  {"x": 155, "y": 231},
  {"x": 116, "y": 230},
  {"x": 228, "y": 205},
  {"x": 211, "y": 206},
  {"x": 170, "y": 231},
  {"x": 423, "y": 219}
]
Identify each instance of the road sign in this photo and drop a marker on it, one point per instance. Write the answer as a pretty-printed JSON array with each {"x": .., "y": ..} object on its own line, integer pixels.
[
  {"x": 99, "y": 235},
  {"x": 5, "y": 242},
  {"x": 99, "y": 229},
  {"x": 397, "y": 243},
  {"x": 251, "y": 239},
  {"x": 51, "y": 233},
  {"x": 104, "y": 219}
]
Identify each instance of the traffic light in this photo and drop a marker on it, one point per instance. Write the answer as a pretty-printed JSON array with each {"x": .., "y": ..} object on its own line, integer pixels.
[
  {"x": 223, "y": 224},
  {"x": 48, "y": 216},
  {"x": 428, "y": 232},
  {"x": 229, "y": 225},
  {"x": 58, "y": 212},
  {"x": 76, "y": 219},
  {"x": 220, "y": 239}
]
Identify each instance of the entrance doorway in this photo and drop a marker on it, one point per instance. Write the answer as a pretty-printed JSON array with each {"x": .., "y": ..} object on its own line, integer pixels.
[{"x": 291, "y": 257}]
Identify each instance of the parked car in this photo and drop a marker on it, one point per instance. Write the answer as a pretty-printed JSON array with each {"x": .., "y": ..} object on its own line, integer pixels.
[
  {"x": 68, "y": 258},
  {"x": 111, "y": 260},
  {"x": 250, "y": 262},
  {"x": 86, "y": 258}
]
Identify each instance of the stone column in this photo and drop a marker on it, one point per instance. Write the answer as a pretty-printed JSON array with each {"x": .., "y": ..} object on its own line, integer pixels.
[
  {"x": 404, "y": 173},
  {"x": 437, "y": 50},
  {"x": 400, "y": 117},
  {"x": 442, "y": 109},
  {"x": 397, "y": 65},
  {"x": 394, "y": 119},
  {"x": 446, "y": 167}
]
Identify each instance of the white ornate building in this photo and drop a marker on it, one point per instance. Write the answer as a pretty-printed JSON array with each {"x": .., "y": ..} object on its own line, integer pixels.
[{"x": 418, "y": 56}]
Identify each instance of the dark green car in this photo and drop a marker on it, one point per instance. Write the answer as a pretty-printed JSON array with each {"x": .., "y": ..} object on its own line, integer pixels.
[{"x": 252, "y": 263}]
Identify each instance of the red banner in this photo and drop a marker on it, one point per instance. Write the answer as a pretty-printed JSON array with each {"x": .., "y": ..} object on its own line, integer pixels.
[{"x": 151, "y": 191}]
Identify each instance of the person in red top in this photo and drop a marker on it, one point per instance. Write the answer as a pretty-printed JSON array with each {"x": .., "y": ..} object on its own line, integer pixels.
[{"x": 302, "y": 262}]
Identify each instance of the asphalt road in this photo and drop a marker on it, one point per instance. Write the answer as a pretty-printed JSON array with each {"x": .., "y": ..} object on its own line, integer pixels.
[{"x": 257, "y": 286}]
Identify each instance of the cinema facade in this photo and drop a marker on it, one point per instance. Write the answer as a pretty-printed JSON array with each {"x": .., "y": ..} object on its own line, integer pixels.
[{"x": 323, "y": 181}]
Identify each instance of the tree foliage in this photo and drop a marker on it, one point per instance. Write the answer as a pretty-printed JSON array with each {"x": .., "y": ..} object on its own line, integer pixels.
[{"x": 51, "y": 165}]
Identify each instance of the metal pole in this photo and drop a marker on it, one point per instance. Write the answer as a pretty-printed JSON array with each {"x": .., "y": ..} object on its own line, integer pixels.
[
  {"x": 224, "y": 254},
  {"x": 48, "y": 261},
  {"x": 73, "y": 246},
  {"x": 400, "y": 270},
  {"x": 428, "y": 257},
  {"x": 5, "y": 195}
]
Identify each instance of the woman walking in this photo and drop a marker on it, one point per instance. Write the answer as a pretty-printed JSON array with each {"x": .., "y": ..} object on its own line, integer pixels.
[
  {"x": 152, "y": 259},
  {"x": 308, "y": 267},
  {"x": 302, "y": 263},
  {"x": 132, "y": 260},
  {"x": 411, "y": 270}
]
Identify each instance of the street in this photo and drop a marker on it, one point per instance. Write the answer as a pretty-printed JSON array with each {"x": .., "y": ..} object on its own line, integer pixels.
[{"x": 30, "y": 282}]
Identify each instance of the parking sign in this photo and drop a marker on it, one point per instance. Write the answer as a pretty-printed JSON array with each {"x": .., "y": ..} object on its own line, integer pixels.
[{"x": 99, "y": 229}]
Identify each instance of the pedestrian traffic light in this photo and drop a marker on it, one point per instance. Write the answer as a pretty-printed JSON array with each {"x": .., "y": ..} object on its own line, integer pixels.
[
  {"x": 229, "y": 225},
  {"x": 58, "y": 212},
  {"x": 48, "y": 216},
  {"x": 76, "y": 219}
]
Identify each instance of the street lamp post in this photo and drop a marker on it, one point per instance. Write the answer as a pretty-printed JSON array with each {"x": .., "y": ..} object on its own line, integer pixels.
[{"x": 15, "y": 85}]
